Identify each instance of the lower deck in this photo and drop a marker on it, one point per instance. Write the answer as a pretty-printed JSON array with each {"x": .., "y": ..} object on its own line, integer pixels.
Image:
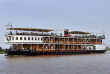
[{"x": 53, "y": 47}]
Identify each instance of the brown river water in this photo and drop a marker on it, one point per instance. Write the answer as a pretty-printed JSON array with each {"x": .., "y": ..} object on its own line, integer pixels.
[{"x": 62, "y": 64}]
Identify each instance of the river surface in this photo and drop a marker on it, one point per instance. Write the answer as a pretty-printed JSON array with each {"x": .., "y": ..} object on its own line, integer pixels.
[{"x": 62, "y": 64}]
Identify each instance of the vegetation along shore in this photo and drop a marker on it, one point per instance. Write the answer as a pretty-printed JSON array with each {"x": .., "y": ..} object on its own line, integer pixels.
[
  {"x": 2, "y": 51},
  {"x": 108, "y": 49}
]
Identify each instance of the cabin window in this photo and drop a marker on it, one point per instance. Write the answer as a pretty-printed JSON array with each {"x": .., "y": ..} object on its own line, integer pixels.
[
  {"x": 12, "y": 38},
  {"x": 7, "y": 38},
  {"x": 38, "y": 38},
  {"x": 28, "y": 38},
  {"x": 24, "y": 38},
  {"x": 20, "y": 38},
  {"x": 84, "y": 40},
  {"x": 35, "y": 38},
  {"x": 16, "y": 38},
  {"x": 41, "y": 38},
  {"x": 79, "y": 40},
  {"x": 87, "y": 40},
  {"x": 32, "y": 38},
  {"x": 74, "y": 47}
]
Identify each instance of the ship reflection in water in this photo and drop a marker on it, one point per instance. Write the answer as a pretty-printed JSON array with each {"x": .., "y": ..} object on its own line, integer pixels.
[{"x": 69, "y": 64}]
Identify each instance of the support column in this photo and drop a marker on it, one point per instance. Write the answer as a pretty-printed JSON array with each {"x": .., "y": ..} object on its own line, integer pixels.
[
  {"x": 96, "y": 38},
  {"x": 22, "y": 46}
]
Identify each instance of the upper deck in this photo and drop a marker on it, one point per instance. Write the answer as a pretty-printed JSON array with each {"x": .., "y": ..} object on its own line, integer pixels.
[
  {"x": 36, "y": 35},
  {"x": 52, "y": 32}
]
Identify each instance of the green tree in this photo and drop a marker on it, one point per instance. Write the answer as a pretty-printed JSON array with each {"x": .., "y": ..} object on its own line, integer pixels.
[{"x": 1, "y": 49}]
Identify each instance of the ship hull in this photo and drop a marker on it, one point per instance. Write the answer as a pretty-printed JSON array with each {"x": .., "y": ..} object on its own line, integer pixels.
[{"x": 29, "y": 52}]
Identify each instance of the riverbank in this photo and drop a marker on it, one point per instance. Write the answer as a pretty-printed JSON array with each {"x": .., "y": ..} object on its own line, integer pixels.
[
  {"x": 2, "y": 52},
  {"x": 108, "y": 49}
]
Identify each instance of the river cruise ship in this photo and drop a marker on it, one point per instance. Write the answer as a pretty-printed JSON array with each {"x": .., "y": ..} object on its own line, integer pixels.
[{"x": 36, "y": 41}]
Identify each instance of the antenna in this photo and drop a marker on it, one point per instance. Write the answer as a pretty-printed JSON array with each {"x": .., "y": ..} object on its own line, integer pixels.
[
  {"x": 9, "y": 23},
  {"x": 103, "y": 32}
]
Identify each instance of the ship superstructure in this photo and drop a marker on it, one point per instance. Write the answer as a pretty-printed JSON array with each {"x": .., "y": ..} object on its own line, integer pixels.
[{"x": 35, "y": 41}]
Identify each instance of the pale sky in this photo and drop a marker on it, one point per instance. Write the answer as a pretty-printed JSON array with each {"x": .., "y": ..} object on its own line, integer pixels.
[{"x": 82, "y": 15}]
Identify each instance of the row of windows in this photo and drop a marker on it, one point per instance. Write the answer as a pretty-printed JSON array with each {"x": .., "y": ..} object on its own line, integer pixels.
[{"x": 23, "y": 38}]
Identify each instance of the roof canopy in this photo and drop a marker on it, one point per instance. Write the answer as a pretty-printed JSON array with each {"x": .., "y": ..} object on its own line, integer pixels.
[
  {"x": 78, "y": 32},
  {"x": 33, "y": 29}
]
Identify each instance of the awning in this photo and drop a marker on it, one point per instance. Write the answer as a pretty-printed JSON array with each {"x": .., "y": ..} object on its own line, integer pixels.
[
  {"x": 79, "y": 32},
  {"x": 33, "y": 29}
]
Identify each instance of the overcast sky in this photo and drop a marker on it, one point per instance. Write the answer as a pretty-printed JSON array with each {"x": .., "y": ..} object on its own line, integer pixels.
[{"x": 82, "y": 15}]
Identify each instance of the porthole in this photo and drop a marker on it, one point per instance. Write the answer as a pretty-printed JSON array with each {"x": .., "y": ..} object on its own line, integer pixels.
[
  {"x": 35, "y": 38},
  {"x": 38, "y": 38},
  {"x": 12, "y": 38},
  {"x": 24, "y": 38},
  {"x": 28, "y": 38},
  {"x": 20, "y": 38},
  {"x": 16, "y": 38},
  {"x": 7, "y": 38},
  {"x": 32, "y": 38}
]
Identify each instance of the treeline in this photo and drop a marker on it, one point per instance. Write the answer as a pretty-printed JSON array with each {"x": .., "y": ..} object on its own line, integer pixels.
[
  {"x": 108, "y": 49},
  {"x": 1, "y": 49}
]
